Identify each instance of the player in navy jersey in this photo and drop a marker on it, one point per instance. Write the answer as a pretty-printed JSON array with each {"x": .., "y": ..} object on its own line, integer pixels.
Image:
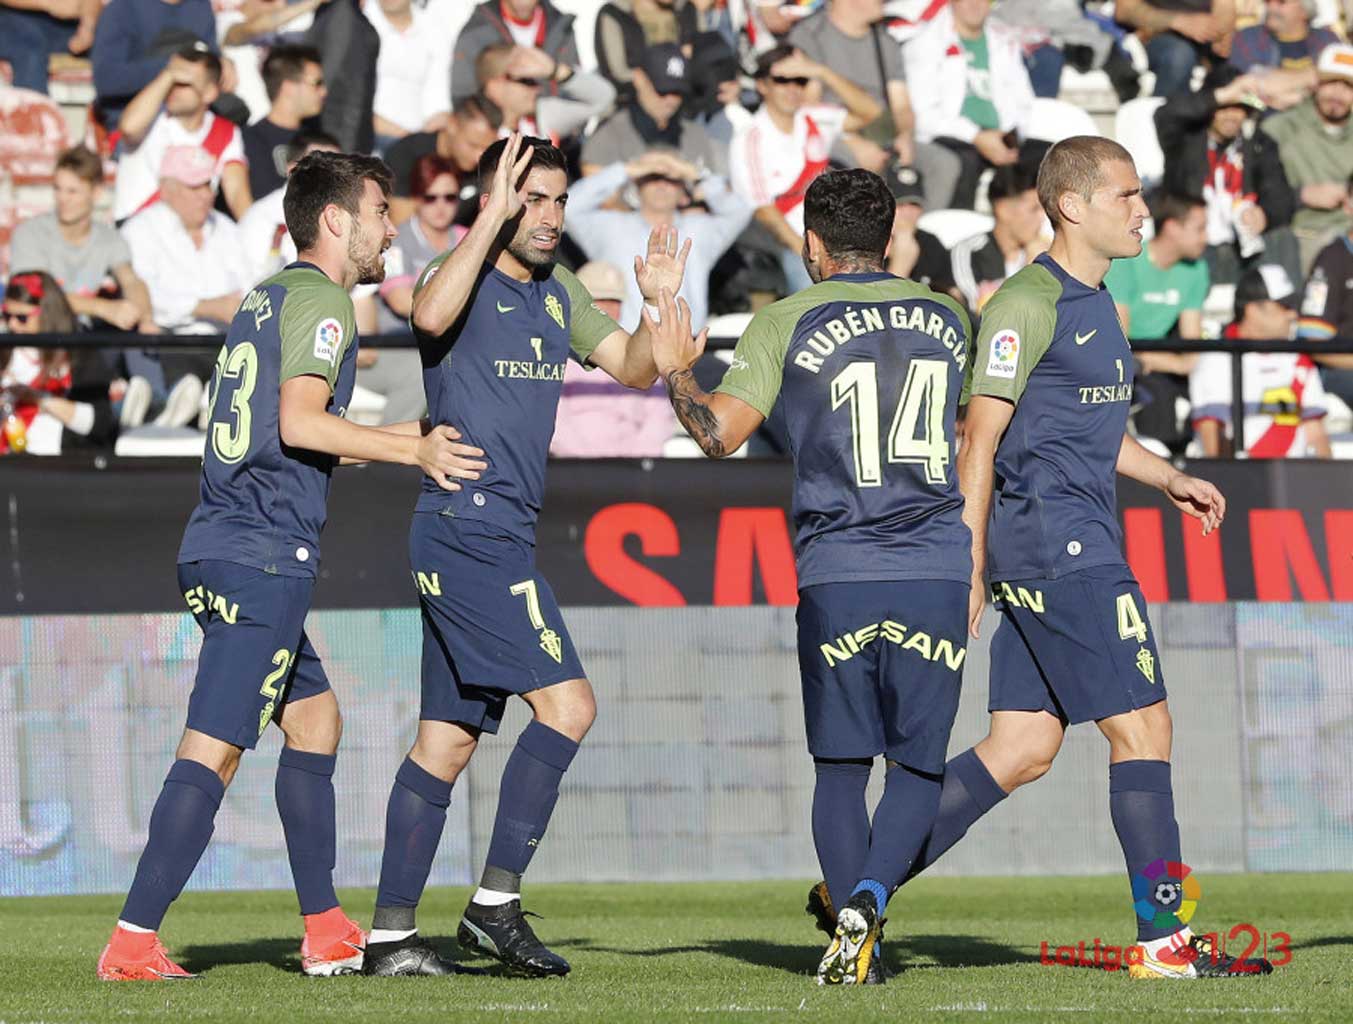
[
  {"x": 496, "y": 320},
  {"x": 869, "y": 368},
  {"x": 251, "y": 552},
  {"x": 1050, "y": 385}
]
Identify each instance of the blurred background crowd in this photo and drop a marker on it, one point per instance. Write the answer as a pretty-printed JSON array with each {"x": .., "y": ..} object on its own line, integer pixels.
[{"x": 144, "y": 148}]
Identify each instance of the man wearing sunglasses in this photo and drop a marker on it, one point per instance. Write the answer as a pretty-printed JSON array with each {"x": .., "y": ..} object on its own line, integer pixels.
[
  {"x": 788, "y": 143},
  {"x": 519, "y": 79}
]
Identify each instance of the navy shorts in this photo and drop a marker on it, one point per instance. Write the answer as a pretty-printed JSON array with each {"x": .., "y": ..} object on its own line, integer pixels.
[
  {"x": 882, "y": 664},
  {"x": 255, "y": 654},
  {"x": 1080, "y": 647},
  {"x": 491, "y": 625}
]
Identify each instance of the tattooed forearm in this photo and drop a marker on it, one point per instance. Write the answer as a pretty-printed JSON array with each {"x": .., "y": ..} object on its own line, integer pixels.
[{"x": 692, "y": 409}]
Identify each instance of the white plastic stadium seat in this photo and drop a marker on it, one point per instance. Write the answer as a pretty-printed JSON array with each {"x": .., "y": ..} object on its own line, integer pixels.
[
  {"x": 952, "y": 226},
  {"x": 1134, "y": 126},
  {"x": 152, "y": 441},
  {"x": 1054, "y": 120}
]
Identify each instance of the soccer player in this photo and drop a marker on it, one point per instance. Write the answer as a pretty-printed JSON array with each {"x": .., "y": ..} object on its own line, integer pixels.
[
  {"x": 250, "y": 554},
  {"x": 1050, "y": 385},
  {"x": 869, "y": 368},
  {"x": 496, "y": 320}
]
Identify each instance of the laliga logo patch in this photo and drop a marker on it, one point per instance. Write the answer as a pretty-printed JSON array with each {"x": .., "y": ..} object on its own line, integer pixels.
[
  {"x": 1004, "y": 355},
  {"x": 328, "y": 337}
]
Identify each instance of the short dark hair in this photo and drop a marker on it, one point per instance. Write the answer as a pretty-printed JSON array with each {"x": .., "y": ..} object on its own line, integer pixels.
[
  {"x": 770, "y": 58},
  {"x": 287, "y": 64},
  {"x": 321, "y": 179},
  {"x": 852, "y": 212},
  {"x": 1010, "y": 181},
  {"x": 82, "y": 162},
  {"x": 1168, "y": 206},
  {"x": 198, "y": 54},
  {"x": 302, "y": 141},
  {"x": 478, "y": 107},
  {"x": 1075, "y": 164},
  {"x": 544, "y": 154}
]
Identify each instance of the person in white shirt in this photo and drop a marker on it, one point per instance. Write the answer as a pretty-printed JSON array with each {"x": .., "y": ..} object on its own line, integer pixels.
[
  {"x": 172, "y": 111},
  {"x": 413, "y": 71},
  {"x": 1283, "y": 396},
  {"x": 189, "y": 255},
  {"x": 666, "y": 187},
  {"x": 775, "y": 156}
]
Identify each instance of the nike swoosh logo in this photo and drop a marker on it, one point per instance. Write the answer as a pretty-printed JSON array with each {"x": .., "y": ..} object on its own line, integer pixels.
[
  {"x": 505, "y": 309},
  {"x": 1081, "y": 339}
]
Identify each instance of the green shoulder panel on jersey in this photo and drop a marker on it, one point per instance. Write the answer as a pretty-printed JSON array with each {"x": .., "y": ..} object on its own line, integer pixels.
[
  {"x": 588, "y": 326},
  {"x": 759, "y": 360},
  {"x": 317, "y": 324},
  {"x": 1016, "y": 329}
]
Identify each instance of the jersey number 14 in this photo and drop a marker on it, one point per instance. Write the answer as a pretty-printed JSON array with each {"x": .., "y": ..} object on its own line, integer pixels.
[{"x": 920, "y": 411}]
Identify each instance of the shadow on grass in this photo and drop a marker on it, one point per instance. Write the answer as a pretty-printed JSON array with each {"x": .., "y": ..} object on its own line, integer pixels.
[
  {"x": 285, "y": 955},
  {"x": 1324, "y": 940},
  {"x": 802, "y": 958}
]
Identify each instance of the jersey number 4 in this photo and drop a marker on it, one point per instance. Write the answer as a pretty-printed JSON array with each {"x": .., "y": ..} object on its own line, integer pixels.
[{"x": 920, "y": 410}]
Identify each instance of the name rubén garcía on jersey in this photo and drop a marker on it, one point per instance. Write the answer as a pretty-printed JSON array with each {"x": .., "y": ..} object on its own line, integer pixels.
[{"x": 857, "y": 323}]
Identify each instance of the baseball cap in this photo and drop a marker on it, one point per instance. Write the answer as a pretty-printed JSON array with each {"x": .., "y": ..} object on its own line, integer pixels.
[
  {"x": 1335, "y": 63},
  {"x": 602, "y": 280},
  {"x": 667, "y": 69},
  {"x": 1268, "y": 282},
  {"x": 904, "y": 182},
  {"x": 191, "y": 165}
]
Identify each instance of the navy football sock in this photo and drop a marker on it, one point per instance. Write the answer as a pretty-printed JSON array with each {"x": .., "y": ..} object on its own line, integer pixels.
[
  {"x": 414, "y": 818},
  {"x": 841, "y": 823},
  {"x": 968, "y": 792},
  {"x": 902, "y": 821},
  {"x": 180, "y": 828},
  {"x": 305, "y": 803},
  {"x": 1141, "y": 803},
  {"x": 526, "y": 799}
]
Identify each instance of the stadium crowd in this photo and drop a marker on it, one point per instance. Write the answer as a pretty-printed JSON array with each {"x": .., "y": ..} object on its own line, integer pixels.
[{"x": 713, "y": 115}]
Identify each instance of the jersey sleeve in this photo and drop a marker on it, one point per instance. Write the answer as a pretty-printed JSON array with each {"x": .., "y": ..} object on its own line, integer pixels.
[
  {"x": 316, "y": 328},
  {"x": 588, "y": 326},
  {"x": 1016, "y": 330},
  {"x": 758, "y": 365}
]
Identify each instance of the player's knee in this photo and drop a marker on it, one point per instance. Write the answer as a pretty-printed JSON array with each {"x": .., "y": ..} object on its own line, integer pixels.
[
  {"x": 569, "y": 708},
  {"x": 314, "y": 725},
  {"x": 443, "y": 749},
  {"x": 1034, "y": 766}
]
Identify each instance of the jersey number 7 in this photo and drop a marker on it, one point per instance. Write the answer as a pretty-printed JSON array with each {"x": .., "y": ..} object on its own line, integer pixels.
[{"x": 922, "y": 404}]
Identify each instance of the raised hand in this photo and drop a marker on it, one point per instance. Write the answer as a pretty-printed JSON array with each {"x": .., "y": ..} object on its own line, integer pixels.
[
  {"x": 663, "y": 266},
  {"x": 505, "y": 197},
  {"x": 673, "y": 346},
  {"x": 443, "y": 457}
]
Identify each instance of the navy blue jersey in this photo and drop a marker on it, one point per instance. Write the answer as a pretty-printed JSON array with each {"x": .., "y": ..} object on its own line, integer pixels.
[
  {"x": 1054, "y": 346},
  {"x": 869, "y": 367},
  {"x": 262, "y": 503},
  {"x": 496, "y": 376}
]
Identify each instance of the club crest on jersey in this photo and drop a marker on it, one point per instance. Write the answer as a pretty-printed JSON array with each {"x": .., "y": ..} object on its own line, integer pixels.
[
  {"x": 328, "y": 338},
  {"x": 1004, "y": 357},
  {"x": 556, "y": 309}
]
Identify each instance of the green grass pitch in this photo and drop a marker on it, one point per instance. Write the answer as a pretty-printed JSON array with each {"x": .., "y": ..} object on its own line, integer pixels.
[{"x": 967, "y": 949}]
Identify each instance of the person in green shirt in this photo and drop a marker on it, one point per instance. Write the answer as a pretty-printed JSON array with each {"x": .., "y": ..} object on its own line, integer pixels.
[{"x": 1159, "y": 294}]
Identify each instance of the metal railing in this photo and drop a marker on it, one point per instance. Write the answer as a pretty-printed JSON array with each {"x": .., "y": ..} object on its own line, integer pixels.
[{"x": 1235, "y": 347}]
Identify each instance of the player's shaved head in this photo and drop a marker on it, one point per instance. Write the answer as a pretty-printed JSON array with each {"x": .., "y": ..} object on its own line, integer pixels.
[
  {"x": 852, "y": 213},
  {"x": 322, "y": 179},
  {"x": 1076, "y": 165}
]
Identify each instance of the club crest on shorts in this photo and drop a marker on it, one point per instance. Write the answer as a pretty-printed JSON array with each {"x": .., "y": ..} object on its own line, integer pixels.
[
  {"x": 328, "y": 338},
  {"x": 1004, "y": 355},
  {"x": 1146, "y": 664},
  {"x": 552, "y": 645},
  {"x": 556, "y": 309}
]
